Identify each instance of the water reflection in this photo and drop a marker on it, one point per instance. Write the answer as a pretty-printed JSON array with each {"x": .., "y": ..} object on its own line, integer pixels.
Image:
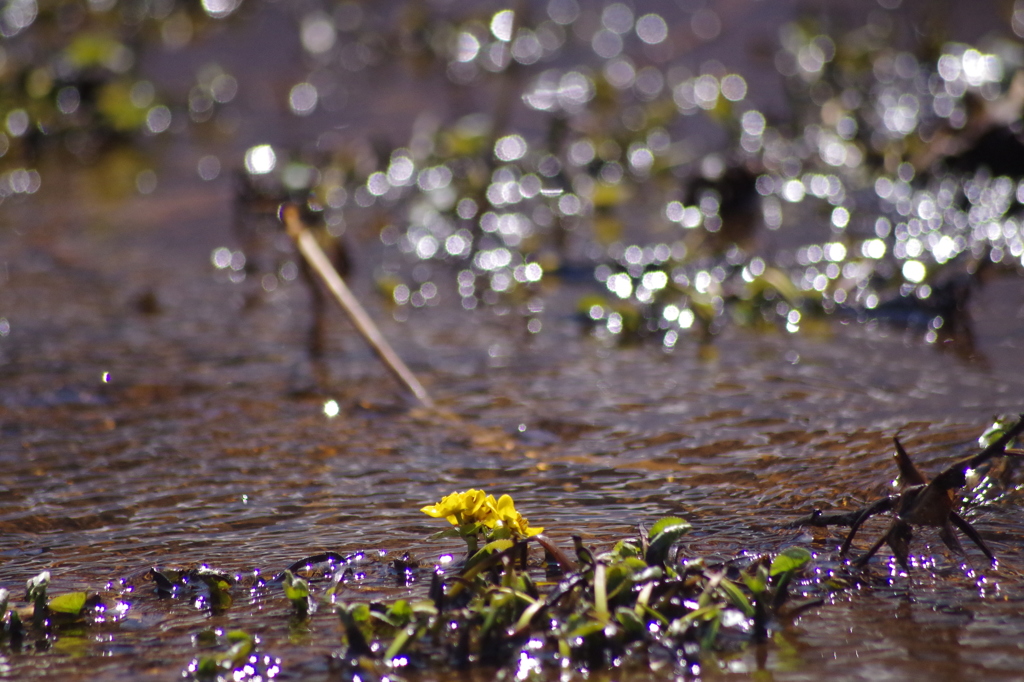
[{"x": 197, "y": 447}]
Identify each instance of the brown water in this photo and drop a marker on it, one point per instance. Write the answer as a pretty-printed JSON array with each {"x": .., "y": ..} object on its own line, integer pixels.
[
  {"x": 154, "y": 413},
  {"x": 202, "y": 447}
]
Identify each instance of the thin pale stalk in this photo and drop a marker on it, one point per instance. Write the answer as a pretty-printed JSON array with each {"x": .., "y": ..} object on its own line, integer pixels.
[{"x": 317, "y": 259}]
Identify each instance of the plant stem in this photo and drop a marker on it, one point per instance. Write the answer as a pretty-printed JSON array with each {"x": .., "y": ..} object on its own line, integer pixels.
[{"x": 318, "y": 260}]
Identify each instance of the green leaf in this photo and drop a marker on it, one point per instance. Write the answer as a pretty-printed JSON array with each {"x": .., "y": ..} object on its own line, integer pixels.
[
  {"x": 35, "y": 588},
  {"x": 736, "y": 596},
  {"x": 220, "y": 598},
  {"x": 755, "y": 583},
  {"x": 400, "y": 641},
  {"x": 295, "y": 588},
  {"x": 601, "y": 591},
  {"x": 487, "y": 550},
  {"x": 470, "y": 528},
  {"x": 71, "y": 603},
  {"x": 502, "y": 533},
  {"x": 350, "y": 616},
  {"x": 703, "y": 614},
  {"x": 586, "y": 629},
  {"x": 647, "y": 574},
  {"x": 235, "y": 636},
  {"x": 668, "y": 522},
  {"x": 498, "y": 545},
  {"x": 714, "y": 623},
  {"x": 792, "y": 560},
  {"x": 629, "y": 621},
  {"x": 651, "y": 613},
  {"x": 400, "y": 613},
  {"x": 450, "y": 532},
  {"x": 208, "y": 668},
  {"x": 663, "y": 535},
  {"x": 619, "y": 577},
  {"x": 995, "y": 430},
  {"x": 242, "y": 646},
  {"x": 758, "y": 583},
  {"x": 623, "y": 550},
  {"x": 360, "y": 612},
  {"x": 528, "y": 613},
  {"x": 424, "y": 607}
]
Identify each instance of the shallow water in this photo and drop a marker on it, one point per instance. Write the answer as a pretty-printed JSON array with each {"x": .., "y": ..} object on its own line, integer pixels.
[
  {"x": 152, "y": 412},
  {"x": 208, "y": 444}
]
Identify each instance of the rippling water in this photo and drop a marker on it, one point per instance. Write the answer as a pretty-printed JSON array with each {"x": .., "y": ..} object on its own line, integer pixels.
[
  {"x": 153, "y": 413},
  {"x": 190, "y": 428}
]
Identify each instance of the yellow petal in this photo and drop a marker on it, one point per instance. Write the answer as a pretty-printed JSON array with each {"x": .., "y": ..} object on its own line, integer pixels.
[
  {"x": 471, "y": 501},
  {"x": 505, "y": 507},
  {"x": 433, "y": 510},
  {"x": 447, "y": 508}
]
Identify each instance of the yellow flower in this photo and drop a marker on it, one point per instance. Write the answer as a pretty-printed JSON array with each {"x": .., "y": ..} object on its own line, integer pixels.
[
  {"x": 473, "y": 506},
  {"x": 507, "y": 516}
]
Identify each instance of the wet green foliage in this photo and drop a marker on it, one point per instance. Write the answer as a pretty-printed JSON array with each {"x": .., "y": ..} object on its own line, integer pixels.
[
  {"x": 997, "y": 429},
  {"x": 642, "y": 603},
  {"x": 71, "y": 604},
  {"x": 237, "y": 659},
  {"x": 616, "y": 608},
  {"x": 887, "y": 162},
  {"x": 208, "y": 586},
  {"x": 996, "y": 481},
  {"x": 297, "y": 591},
  {"x": 45, "y": 615}
]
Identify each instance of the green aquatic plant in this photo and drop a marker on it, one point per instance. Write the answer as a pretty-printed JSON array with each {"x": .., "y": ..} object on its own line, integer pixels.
[
  {"x": 35, "y": 594},
  {"x": 71, "y": 604},
  {"x": 211, "y": 588},
  {"x": 640, "y": 600},
  {"x": 297, "y": 591},
  {"x": 241, "y": 660}
]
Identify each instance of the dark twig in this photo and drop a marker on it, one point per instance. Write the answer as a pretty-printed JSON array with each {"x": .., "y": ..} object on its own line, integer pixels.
[{"x": 920, "y": 503}]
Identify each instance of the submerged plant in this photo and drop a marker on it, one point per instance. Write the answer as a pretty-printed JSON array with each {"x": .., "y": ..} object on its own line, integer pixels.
[{"x": 922, "y": 502}]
